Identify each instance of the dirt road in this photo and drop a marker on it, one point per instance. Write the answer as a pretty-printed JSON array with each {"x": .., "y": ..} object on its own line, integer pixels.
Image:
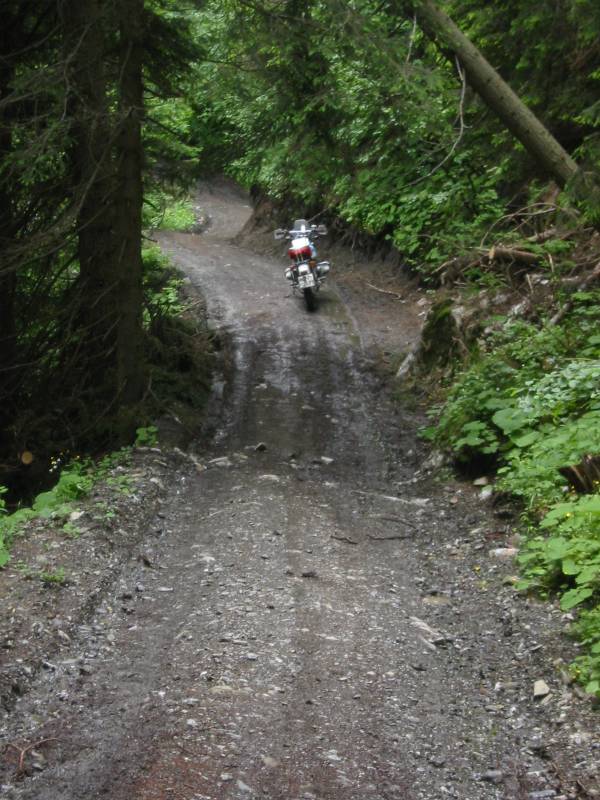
[{"x": 316, "y": 619}]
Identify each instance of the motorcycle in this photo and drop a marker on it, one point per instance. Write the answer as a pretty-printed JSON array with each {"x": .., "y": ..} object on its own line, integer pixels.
[{"x": 305, "y": 273}]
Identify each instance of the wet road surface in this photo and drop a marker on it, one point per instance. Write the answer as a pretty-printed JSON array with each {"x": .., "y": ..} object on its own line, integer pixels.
[{"x": 294, "y": 631}]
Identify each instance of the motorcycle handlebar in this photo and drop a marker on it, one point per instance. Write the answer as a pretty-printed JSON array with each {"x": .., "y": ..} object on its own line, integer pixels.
[{"x": 314, "y": 230}]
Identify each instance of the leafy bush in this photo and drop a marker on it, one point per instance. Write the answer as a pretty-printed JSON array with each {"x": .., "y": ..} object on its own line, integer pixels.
[
  {"x": 167, "y": 212},
  {"x": 162, "y": 285},
  {"x": 531, "y": 399}
]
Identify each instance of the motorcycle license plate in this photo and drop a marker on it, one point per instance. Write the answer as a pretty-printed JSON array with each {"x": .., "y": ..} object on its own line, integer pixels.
[{"x": 306, "y": 281}]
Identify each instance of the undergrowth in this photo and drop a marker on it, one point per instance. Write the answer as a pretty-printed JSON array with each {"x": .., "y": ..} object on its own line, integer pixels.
[
  {"x": 528, "y": 405},
  {"x": 76, "y": 481},
  {"x": 168, "y": 211}
]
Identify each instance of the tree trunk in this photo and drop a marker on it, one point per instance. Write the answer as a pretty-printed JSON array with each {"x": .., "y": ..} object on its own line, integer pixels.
[
  {"x": 93, "y": 172},
  {"x": 8, "y": 278},
  {"x": 496, "y": 93},
  {"x": 129, "y": 201}
]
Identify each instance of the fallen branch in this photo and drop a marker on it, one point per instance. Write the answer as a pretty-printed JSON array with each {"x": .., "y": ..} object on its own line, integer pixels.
[
  {"x": 388, "y": 538},
  {"x": 385, "y": 291},
  {"x": 512, "y": 254},
  {"x": 581, "y": 287},
  {"x": 22, "y": 751},
  {"x": 343, "y": 539}
]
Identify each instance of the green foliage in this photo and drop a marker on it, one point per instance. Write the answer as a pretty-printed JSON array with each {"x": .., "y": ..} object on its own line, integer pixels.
[
  {"x": 347, "y": 108},
  {"x": 532, "y": 399},
  {"x": 162, "y": 285},
  {"x": 54, "y": 578},
  {"x": 147, "y": 436},
  {"x": 76, "y": 481},
  {"x": 586, "y": 668},
  {"x": 166, "y": 211}
]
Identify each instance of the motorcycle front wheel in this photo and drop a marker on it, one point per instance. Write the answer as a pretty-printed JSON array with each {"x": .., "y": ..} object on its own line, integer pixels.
[{"x": 310, "y": 299}]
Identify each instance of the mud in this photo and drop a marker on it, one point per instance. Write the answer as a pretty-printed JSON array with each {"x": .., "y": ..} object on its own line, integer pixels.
[{"x": 316, "y": 614}]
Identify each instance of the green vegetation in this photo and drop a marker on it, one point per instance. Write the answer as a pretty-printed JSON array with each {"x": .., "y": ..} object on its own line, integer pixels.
[
  {"x": 76, "y": 481},
  {"x": 529, "y": 403},
  {"x": 167, "y": 211},
  {"x": 349, "y": 111}
]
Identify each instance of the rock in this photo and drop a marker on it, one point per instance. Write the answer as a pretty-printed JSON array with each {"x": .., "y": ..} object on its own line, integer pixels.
[
  {"x": 270, "y": 478},
  {"x": 309, "y": 573},
  {"x": 437, "y": 761},
  {"x": 481, "y": 481},
  {"x": 494, "y": 776},
  {"x": 545, "y": 794},
  {"x": 260, "y": 447},
  {"x": 435, "y": 460},
  {"x": 192, "y": 723},
  {"x": 503, "y": 552},
  {"x": 326, "y": 461},
  {"x": 486, "y": 493},
  {"x": 540, "y": 689},
  {"x": 251, "y": 657},
  {"x": 226, "y": 777},
  {"x": 165, "y": 589},
  {"x": 406, "y": 366},
  {"x": 222, "y": 463}
]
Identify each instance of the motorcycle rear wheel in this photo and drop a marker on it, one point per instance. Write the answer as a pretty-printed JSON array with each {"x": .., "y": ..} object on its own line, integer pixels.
[{"x": 310, "y": 299}]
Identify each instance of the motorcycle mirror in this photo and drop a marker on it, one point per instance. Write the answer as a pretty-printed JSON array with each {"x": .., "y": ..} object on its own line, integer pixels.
[
  {"x": 279, "y": 233},
  {"x": 322, "y": 230}
]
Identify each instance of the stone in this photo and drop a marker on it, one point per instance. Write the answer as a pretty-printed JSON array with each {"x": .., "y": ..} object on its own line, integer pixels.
[
  {"x": 222, "y": 463},
  {"x": 260, "y": 447},
  {"x": 494, "y": 776},
  {"x": 486, "y": 493},
  {"x": 540, "y": 689},
  {"x": 503, "y": 552}
]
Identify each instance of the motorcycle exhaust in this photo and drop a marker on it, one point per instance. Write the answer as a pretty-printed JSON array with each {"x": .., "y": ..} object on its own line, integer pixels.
[{"x": 323, "y": 268}]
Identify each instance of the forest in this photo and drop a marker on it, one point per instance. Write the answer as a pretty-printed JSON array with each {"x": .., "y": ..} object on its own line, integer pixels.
[{"x": 367, "y": 115}]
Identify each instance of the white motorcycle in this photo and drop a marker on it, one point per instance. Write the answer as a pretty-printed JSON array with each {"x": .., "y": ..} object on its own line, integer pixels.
[{"x": 305, "y": 273}]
